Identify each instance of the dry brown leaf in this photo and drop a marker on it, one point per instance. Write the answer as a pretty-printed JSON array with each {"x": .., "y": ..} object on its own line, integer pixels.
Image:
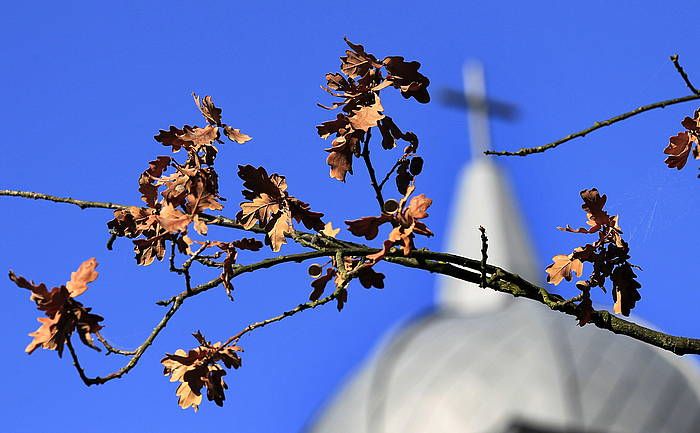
[
  {"x": 236, "y": 135},
  {"x": 79, "y": 279},
  {"x": 210, "y": 111},
  {"x": 563, "y": 267}
]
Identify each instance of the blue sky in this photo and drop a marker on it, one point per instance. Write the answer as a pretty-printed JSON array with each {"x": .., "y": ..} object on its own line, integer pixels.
[{"x": 87, "y": 85}]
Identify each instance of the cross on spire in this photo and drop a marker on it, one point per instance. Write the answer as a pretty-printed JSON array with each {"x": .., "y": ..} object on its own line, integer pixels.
[{"x": 479, "y": 107}]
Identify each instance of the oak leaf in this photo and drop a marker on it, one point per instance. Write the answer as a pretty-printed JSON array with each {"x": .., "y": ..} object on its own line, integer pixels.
[
  {"x": 678, "y": 150},
  {"x": 357, "y": 62},
  {"x": 271, "y": 207},
  {"x": 563, "y": 267},
  {"x": 625, "y": 289},
  {"x": 367, "y": 117},
  {"x": 199, "y": 368},
  {"x": 236, "y": 135},
  {"x": 63, "y": 314},
  {"x": 405, "y": 77},
  {"x": 210, "y": 111}
]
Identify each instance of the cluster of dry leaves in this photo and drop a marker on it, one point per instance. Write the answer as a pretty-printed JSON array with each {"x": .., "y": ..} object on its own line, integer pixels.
[
  {"x": 684, "y": 143},
  {"x": 201, "y": 368},
  {"x": 270, "y": 207},
  {"x": 63, "y": 314},
  {"x": 609, "y": 255},
  {"x": 176, "y": 200},
  {"x": 405, "y": 220},
  {"x": 178, "y": 192},
  {"x": 360, "y": 267},
  {"x": 358, "y": 86}
]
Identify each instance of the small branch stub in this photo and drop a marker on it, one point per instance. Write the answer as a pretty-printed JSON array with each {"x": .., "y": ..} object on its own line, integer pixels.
[{"x": 484, "y": 256}]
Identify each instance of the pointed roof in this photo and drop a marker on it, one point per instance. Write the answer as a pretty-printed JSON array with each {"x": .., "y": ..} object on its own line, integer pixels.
[{"x": 484, "y": 197}]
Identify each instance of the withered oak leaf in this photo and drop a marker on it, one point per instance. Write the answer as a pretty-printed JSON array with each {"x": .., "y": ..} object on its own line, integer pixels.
[
  {"x": 210, "y": 111},
  {"x": 147, "y": 181},
  {"x": 357, "y": 62},
  {"x": 625, "y": 289},
  {"x": 678, "y": 149},
  {"x": 271, "y": 207},
  {"x": 236, "y": 135},
  {"x": 609, "y": 255},
  {"x": 405, "y": 221},
  {"x": 681, "y": 145},
  {"x": 563, "y": 267},
  {"x": 63, "y": 314},
  {"x": 199, "y": 368},
  {"x": 405, "y": 77}
]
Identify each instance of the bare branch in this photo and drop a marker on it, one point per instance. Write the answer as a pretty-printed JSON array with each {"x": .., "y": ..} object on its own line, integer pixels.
[
  {"x": 299, "y": 308},
  {"x": 484, "y": 256},
  {"x": 370, "y": 169},
  {"x": 112, "y": 349},
  {"x": 597, "y": 125},
  {"x": 390, "y": 172},
  {"x": 681, "y": 71}
]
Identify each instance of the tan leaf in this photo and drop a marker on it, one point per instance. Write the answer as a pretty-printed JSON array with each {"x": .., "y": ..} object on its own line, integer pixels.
[
  {"x": 210, "y": 111},
  {"x": 563, "y": 267},
  {"x": 173, "y": 220},
  {"x": 367, "y": 117},
  {"x": 368, "y": 227},
  {"x": 329, "y": 231},
  {"x": 357, "y": 62},
  {"x": 277, "y": 232},
  {"x": 260, "y": 210},
  {"x": 418, "y": 206},
  {"x": 79, "y": 279},
  {"x": 678, "y": 150},
  {"x": 236, "y": 135},
  {"x": 200, "y": 226}
]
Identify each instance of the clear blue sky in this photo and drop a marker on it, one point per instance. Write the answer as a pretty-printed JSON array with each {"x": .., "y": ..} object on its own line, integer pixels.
[{"x": 86, "y": 85}]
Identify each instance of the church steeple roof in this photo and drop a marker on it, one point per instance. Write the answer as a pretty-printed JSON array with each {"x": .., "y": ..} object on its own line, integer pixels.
[{"x": 484, "y": 197}]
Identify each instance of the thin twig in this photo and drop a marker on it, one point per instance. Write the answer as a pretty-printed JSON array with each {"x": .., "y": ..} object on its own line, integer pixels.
[
  {"x": 390, "y": 172},
  {"x": 299, "y": 308},
  {"x": 112, "y": 349},
  {"x": 370, "y": 170},
  {"x": 597, "y": 125},
  {"x": 681, "y": 71},
  {"x": 99, "y": 380},
  {"x": 76, "y": 363},
  {"x": 484, "y": 256}
]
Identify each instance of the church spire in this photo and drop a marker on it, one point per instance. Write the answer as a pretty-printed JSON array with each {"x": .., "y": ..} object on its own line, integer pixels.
[
  {"x": 484, "y": 197},
  {"x": 477, "y": 108}
]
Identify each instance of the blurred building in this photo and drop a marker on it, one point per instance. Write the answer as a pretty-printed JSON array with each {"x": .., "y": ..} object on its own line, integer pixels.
[{"x": 483, "y": 362}]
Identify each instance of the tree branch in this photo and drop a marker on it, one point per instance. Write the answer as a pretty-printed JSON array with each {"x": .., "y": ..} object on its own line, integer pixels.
[
  {"x": 597, "y": 125},
  {"x": 370, "y": 170},
  {"x": 462, "y": 268},
  {"x": 484, "y": 256},
  {"x": 681, "y": 71},
  {"x": 112, "y": 349}
]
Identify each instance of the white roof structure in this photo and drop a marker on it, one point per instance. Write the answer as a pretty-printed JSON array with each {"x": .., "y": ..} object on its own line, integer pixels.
[{"x": 482, "y": 362}]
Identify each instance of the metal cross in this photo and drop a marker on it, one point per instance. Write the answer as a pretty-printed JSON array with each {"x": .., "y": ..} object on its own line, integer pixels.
[{"x": 479, "y": 108}]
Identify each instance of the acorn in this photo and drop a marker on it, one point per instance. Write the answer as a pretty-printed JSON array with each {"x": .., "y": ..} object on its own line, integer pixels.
[
  {"x": 391, "y": 206},
  {"x": 315, "y": 270}
]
